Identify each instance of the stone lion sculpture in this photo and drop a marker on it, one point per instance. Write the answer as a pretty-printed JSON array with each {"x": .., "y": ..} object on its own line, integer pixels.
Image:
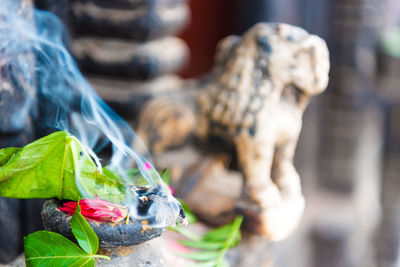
[{"x": 261, "y": 84}]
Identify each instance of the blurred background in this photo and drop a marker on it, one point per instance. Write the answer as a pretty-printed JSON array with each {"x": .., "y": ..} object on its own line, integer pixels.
[{"x": 348, "y": 154}]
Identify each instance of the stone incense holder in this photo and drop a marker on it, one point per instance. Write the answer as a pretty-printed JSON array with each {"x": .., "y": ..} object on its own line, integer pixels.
[
  {"x": 123, "y": 242},
  {"x": 110, "y": 235}
]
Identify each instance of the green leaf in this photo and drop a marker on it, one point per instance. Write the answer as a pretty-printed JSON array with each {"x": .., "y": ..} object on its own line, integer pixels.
[
  {"x": 7, "y": 153},
  {"x": 44, "y": 248},
  {"x": 231, "y": 240},
  {"x": 222, "y": 263},
  {"x": 214, "y": 244},
  {"x": 50, "y": 167},
  {"x": 208, "y": 245},
  {"x": 200, "y": 256},
  {"x": 213, "y": 263},
  {"x": 166, "y": 176},
  {"x": 136, "y": 177},
  {"x": 111, "y": 174},
  {"x": 35, "y": 170},
  {"x": 218, "y": 234},
  {"x": 204, "y": 264},
  {"x": 97, "y": 184},
  {"x": 85, "y": 236},
  {"x": 89, "y": 262},
  {"x": 185, "y": 232},
  {"x": 133, "y": 173}
]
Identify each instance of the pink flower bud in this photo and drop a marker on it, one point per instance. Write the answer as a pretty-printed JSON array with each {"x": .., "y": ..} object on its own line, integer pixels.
[
  {"x": 171, "y": 189},
  {"x": 147, "y": 166},
  {"x": 97, "y": 210}
]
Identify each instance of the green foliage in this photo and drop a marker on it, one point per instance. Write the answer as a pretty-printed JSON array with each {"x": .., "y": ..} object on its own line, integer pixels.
[
  {"x": 45, "y": 248},
  {"x": 191, "y": 218},
  {"x": 213, "y": 245},
  {"x": 185, "y": 232},
  {"x": 201, "y": 244},
  {"x": 136, "y": 178},
  {"x": 85, "y": 236},
  {"x": 165, "y": 176},
  {"x": 47, "y": 168}
]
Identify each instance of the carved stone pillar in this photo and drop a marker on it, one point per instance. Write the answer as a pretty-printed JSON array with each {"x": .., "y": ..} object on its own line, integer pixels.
[
  {"x": 351, "y": 126},
  {"x": 17, "y": 109},
  {"x": 128, "y": 49},
  {"x": 388, "y": 234}
]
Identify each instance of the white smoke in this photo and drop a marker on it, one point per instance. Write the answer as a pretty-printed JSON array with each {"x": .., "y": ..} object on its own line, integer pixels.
[{"x": 32, "y": 49}]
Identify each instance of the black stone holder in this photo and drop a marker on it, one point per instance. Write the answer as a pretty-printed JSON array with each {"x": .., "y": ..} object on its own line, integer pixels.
[{"x": 110, "y": 235}]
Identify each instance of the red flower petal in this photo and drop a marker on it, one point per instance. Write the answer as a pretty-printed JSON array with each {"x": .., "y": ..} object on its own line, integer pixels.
[{"x": 97, "y": 210}]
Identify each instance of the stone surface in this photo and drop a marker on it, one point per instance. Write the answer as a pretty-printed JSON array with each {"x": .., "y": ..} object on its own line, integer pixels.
[
  {"x": 388, "y": 237},
  {"x": 18, "y": 262},
  {"x": 17, "y": 105},
  {"x": 330, "y": 246},
  {"x": 61, "y": 8},
  {"x": 10, "y": 231},
  {"x": 349, "y": 157},
  {"x": 125, "y": 58},
  {"x": 168, "y": 120},
  {"x": 178, "y": 161},
  {"x": 349, "y": 101},
  {"x": 149, "y": 254},
  {"x": 204, "y": 188},
  {"x": 18, "y": 139},
  {"x": 151, "y": 20},
  {"x": 128, "y": 97},
  {"x": 17, "y": 84},
  {"x": 16, "y": 102},
  {"x": 110, "y": 236},
  {"x": 165, "y": 123},
  {"x": 251, "y": 251},
  {"x": 131, "y": 4}
]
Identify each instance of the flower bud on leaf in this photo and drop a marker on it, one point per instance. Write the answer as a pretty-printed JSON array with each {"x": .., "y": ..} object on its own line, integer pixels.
[{"x": 97, "y": 210}]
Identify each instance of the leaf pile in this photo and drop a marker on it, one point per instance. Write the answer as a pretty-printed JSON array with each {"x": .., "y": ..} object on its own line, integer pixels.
[
  {"x": 45, "y": 248},
  {"x": 49, "y": 168},
  {"x": 213, "y": 245}
]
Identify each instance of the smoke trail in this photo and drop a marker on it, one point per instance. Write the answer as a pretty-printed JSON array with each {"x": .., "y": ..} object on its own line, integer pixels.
[{"x": 67, "y": 101}]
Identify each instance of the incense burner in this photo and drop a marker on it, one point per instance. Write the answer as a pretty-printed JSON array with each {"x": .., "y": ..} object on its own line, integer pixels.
[
  {"x": 111, "y": 235},
  {"x": 124, "y": 242}
]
